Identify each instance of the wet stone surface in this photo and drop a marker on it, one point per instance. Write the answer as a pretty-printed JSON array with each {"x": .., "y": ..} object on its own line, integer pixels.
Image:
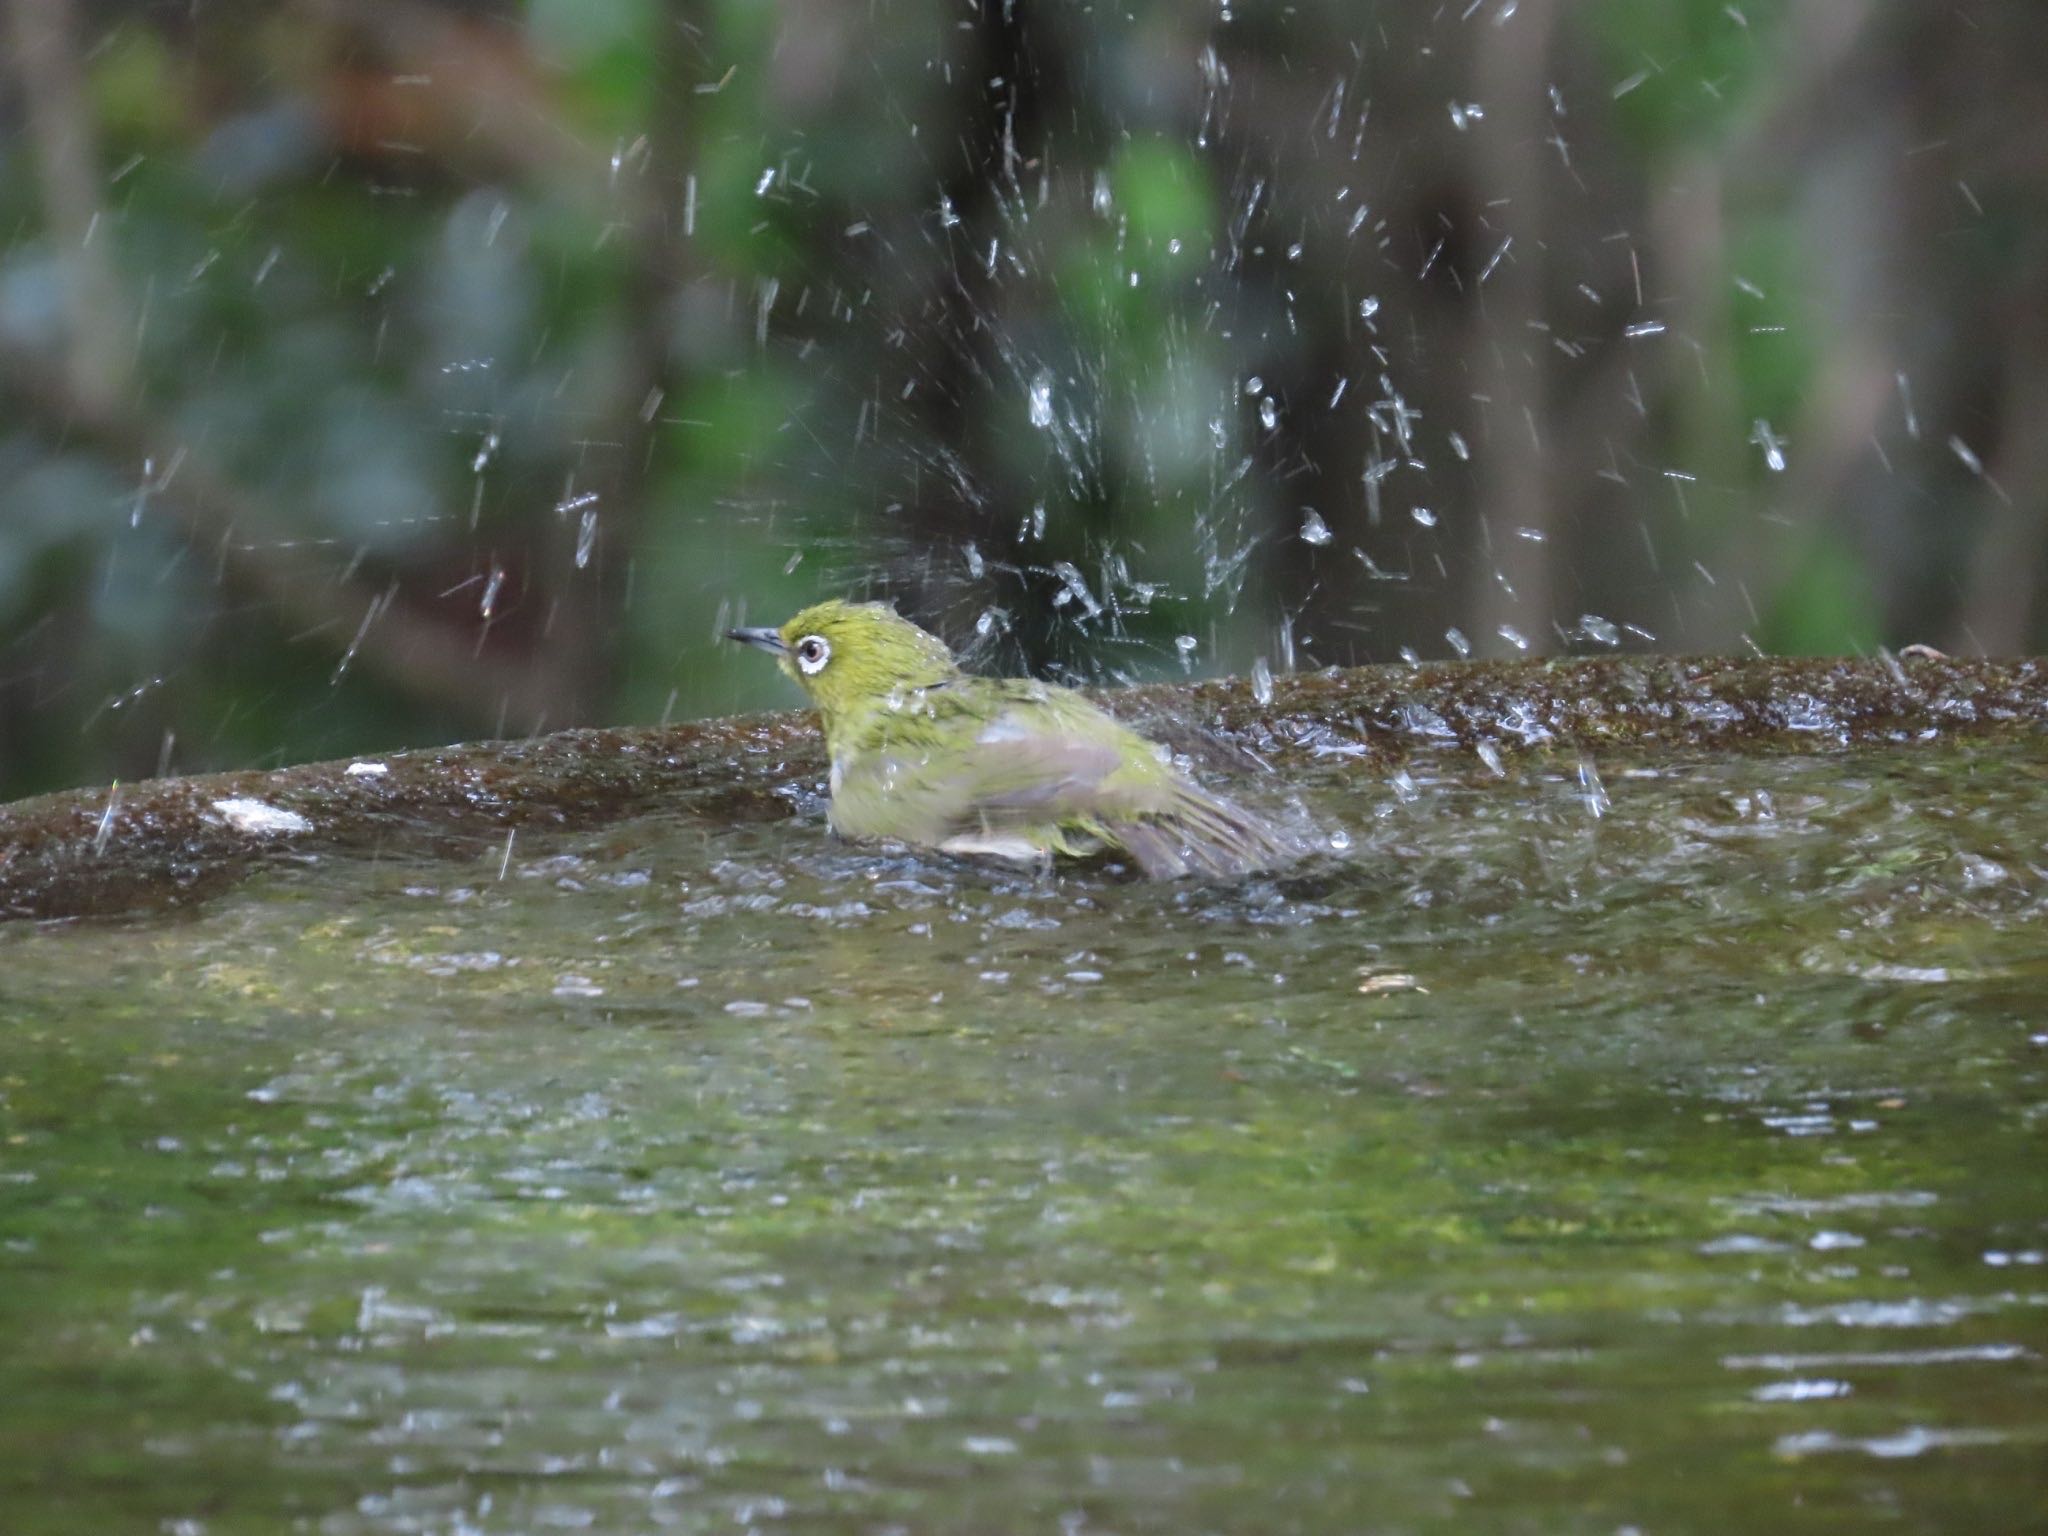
[
  {"x": 1605, "y": 1141},
  {"x": 174, "y": 842}
]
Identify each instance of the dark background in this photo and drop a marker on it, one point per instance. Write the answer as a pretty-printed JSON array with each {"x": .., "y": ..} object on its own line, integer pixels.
[{"x": 382, "y": 372}]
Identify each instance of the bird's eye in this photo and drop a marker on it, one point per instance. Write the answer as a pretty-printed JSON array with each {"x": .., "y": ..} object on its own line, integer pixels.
[{"x": 812, "y": 652}]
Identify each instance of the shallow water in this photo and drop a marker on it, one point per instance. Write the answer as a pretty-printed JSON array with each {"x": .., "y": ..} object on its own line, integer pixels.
[{"x": 1659, "y": 1150}]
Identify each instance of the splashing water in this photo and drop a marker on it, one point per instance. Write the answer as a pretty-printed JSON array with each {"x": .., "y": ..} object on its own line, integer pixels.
[{"x": 1040, "y": 401}]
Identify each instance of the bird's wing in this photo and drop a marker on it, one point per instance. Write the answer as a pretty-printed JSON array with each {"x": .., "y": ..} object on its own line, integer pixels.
[
  {"x": 935, "y": 773},
  {"x": 1047, "y": 771}
]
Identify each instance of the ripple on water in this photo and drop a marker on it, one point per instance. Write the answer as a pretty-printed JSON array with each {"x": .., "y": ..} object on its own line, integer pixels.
[{"x": 1539, "y": 1157}]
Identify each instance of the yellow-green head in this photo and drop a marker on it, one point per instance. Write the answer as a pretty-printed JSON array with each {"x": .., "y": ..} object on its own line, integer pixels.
[{"x": 850, "y": 656}]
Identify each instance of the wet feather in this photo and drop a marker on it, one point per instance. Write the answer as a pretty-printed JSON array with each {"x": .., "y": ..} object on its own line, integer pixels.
[{"x": 1004, "y": 767}]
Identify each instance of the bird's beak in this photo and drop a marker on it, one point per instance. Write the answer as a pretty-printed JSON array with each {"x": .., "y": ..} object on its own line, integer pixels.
[{"x": 766, "y": 639}]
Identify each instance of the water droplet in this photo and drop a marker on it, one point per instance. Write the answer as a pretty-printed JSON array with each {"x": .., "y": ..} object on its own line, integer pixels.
[
  {"x": 1313, "y": 529},
  {"x": 1368, "y": 306},
  {"x": 1424, "y": 516},
  {"x": 1513, "y": 636},
  {"x": 1103, "y": 198},
  {"x": 1041, "y": 401},
  {"x": 1185, "y": 644},
  {"x": 1074, "y": 588},
  {"x": 1598, "y": 630},
  {"x": 1262, "y": 682},
  {"x": 1772, "y": 445},
  {"x": 1269, "y": 413},
  {"x": 1980, "y": 873},
  {"x": 1591, "y": 793},
  {"x": 1254, "y": 385},
  {"x": 106, "y": 825},
  {"x": 1458, "y": 642}
]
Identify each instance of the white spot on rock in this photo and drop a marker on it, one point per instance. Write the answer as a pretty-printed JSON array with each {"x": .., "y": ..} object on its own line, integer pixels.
[{"x": 259, "y": 818}]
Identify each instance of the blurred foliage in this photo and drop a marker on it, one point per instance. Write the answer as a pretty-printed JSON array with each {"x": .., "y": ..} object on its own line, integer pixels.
[{"x": 389, "y": 371}]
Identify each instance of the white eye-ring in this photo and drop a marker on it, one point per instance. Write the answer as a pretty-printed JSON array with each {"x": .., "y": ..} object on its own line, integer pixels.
[{"x": 812, "y": 652}]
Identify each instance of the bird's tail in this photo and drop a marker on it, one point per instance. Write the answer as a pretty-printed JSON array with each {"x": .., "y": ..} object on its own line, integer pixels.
[{"x": 1197, "y": 833}]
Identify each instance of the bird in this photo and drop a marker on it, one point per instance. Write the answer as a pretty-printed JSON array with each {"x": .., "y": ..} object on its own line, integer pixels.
[{"x": 925, "y": 753}]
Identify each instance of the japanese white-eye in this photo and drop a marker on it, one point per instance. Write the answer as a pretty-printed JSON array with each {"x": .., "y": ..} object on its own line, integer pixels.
[{"x": 927, "y": 754}]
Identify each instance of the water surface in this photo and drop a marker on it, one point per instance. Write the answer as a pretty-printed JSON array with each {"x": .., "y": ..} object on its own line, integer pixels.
[{"x": 1654, "y": 1148}]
